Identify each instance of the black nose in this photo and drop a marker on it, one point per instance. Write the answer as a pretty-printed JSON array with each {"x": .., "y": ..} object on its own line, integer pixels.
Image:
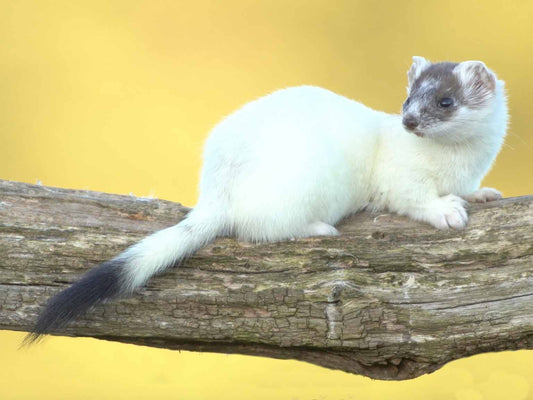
[{"x": 410, "y": 122}]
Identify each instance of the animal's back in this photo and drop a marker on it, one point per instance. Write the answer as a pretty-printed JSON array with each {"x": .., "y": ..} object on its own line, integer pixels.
[{"x": 296, "y": 156}]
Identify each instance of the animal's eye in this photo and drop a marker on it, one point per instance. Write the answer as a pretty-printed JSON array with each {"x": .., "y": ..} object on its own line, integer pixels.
[{"x": 446, "y": 102}]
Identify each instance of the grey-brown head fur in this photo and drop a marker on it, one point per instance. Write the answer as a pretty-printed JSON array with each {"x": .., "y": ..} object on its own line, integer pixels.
[{"x": 438, "y": 91}]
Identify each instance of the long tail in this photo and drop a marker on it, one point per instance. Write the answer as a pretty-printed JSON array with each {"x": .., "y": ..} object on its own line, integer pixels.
[{"x": 128, "y": 271}]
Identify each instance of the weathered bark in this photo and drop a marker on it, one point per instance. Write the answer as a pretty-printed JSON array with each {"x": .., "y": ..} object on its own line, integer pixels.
[{"x": 390, "y": 298}]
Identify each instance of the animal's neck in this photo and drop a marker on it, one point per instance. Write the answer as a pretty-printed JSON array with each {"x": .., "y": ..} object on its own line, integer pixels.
[{"x": 463, "y": 164}]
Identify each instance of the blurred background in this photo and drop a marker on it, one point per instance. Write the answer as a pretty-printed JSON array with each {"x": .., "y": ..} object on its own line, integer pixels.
[{"x": 118, "y": 96}]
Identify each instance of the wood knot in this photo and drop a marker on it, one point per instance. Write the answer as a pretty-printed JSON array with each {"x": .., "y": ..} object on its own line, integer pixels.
[
  {"x": 140, "y": 216},
  {"x": 378, "y": 235}
]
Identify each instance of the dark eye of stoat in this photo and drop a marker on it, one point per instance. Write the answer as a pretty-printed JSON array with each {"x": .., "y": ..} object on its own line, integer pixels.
[{"x": 446, "y": 102}]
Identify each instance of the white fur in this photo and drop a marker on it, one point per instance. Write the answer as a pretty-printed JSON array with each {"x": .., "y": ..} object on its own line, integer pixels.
[
  {"x": 162, "y": 249},
  {"x": 419, "y": 64},
  {"x": 483, "y": 195},
  {"x": 294, "y": 163}
]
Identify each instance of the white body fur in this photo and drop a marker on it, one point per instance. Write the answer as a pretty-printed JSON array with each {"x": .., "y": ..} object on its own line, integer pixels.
[{"x": 294, "y": 163}]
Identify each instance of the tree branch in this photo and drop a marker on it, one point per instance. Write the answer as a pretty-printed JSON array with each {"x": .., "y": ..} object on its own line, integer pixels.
[{"x": 390, "y": 298}]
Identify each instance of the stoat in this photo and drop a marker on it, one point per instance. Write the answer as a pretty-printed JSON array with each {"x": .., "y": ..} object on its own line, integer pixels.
[{"x": 294, "y": 163}]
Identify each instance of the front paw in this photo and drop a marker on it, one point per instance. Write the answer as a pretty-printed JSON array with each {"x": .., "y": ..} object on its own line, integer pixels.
[
  {"x": 446, "y": 212},
  {"x": 483, "y": 195}
]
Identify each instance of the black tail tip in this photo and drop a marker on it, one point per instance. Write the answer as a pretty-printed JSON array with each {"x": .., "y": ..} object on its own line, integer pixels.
[
  {"x": 31, "y": 338},
  {"x": 96, "y": 286}
]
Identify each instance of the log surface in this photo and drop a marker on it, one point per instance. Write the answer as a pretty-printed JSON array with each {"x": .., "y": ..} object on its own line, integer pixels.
[{"x": 390, "y": 298}]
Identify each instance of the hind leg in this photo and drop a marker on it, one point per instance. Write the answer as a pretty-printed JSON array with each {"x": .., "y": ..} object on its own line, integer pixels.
[{"x": 321, "y": 229}]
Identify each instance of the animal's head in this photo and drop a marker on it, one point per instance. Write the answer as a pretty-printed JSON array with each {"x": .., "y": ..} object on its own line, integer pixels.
[{"x": 450, "y": 101}]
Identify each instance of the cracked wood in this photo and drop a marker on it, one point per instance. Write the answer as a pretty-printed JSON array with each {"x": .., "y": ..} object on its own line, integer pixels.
[{"x": 390, "y": 298}]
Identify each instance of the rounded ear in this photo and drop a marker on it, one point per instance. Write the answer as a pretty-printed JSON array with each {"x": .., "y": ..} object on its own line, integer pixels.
[
  {"x": 419, "y": 64},
  {"x": 476, "y": 75}
]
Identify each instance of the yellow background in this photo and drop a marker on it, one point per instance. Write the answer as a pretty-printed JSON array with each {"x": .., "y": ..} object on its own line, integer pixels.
[{"x": 118, "y": 96}]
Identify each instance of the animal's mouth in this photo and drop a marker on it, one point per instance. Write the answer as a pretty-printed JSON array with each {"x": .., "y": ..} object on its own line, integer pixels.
[
  {"x": 415, "y": 131},
  {"x": 413, "y": 128}
]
